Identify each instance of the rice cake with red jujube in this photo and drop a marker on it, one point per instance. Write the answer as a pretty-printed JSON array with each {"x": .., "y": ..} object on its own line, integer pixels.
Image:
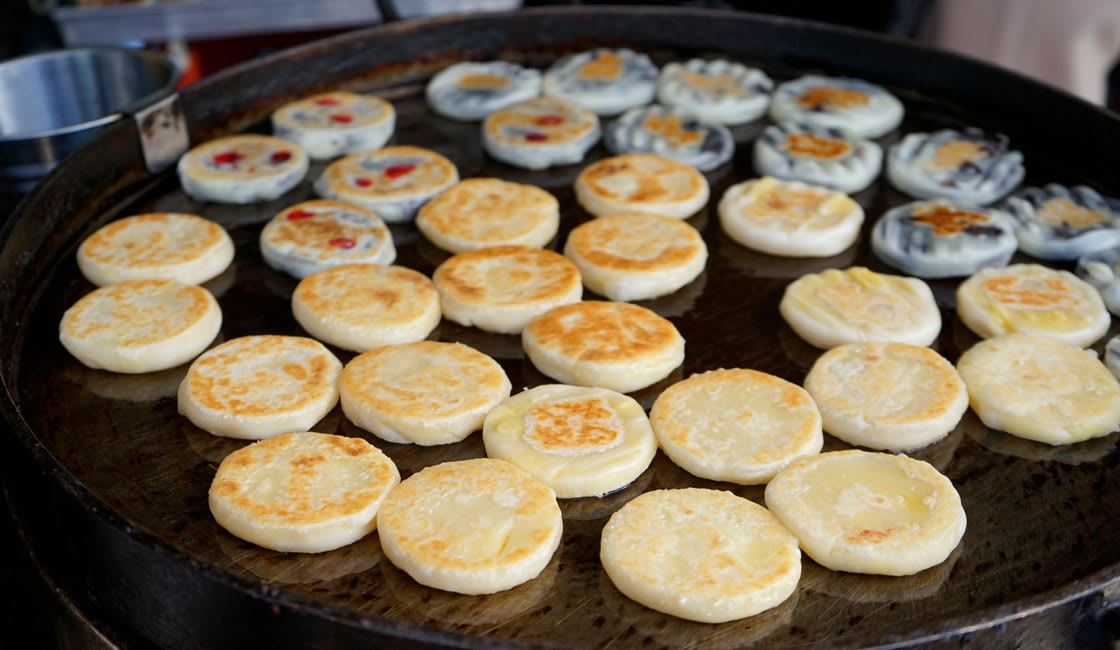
[
  {"x": 393, "y": 182},
  {"x": 336, "y": 123},
  {"x": 540, "y": 133},
  {"x": 314, "y": 236},
  {"x": 242, "y": 169}
]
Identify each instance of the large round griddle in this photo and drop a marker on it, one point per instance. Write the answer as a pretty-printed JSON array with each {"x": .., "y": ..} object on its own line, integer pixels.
[{"x": 109, "y": 483}]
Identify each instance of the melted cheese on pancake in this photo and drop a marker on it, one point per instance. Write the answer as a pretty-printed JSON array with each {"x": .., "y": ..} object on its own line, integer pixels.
[
  {"x": 612, "y": 345},
  {"x": 260, "y": 386},
  {"x": 857, "y": 304},
  {"x": 140, "y": 325},
  {"x": 501, "y": 289},
  {"x": 868, "y": 512},
  {"x": 483, "y": 212},
  {"x": 581, "y": 442},
  {"x": 473, "y": 527},
  {"x": 362, "y": 306},
  {"x": 702, "y": 555},
  {"x": 302, "y": 492},
  {"x": 1033, "y": 299},
  {"x": 641, "y": 183},
  {"x": 1040, "y": 389},
  {"x": 180, "y": 247},
  {"x": 426, "y": 392},
  {"x": 738, "y": 425},
  {"x": 889, "y": 396},
  {"x": 636, "y": 256}
]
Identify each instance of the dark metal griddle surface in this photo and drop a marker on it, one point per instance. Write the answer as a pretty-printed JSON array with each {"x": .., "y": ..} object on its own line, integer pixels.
[{"x": 1041, "y": 520}]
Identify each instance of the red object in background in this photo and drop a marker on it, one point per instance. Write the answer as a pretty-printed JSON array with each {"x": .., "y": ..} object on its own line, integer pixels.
[{"x": 205, "y": 57}]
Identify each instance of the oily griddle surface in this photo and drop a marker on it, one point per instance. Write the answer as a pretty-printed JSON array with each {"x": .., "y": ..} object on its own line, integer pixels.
[{"x": 1039, "y": 517}]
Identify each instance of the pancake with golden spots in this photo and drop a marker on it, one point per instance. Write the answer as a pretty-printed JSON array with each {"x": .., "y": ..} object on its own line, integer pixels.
[
  {"x": 867, "y": 512},
  {"x": 540, "y": 133},
  {"x": 1040, "y": 389},
  {"x": 140, "y": 325},
  {"x": 673, "y": 133},
  {"x": 636, "y": 256},
  {"x": 393, "y": 182},
  {"x": 889, "y": 396},
  {"x": 472, "y": 90},
  {"x": 857, "y": 305},
  {"x": 428, "y": 393},
  {"x": 483, "y": 212},
  {"x": 717, "y": 90},
  {"x": 242, "y": 169},
  {"x": 789, "y": 218},
  {"x": 579, "y": 441},
  {"x": 473, "y": 526},
  {"x": 941, "y": 239},
  {"x": 701, "y": 555},
  {"x": 1032, "y": 299},
  {"x": 501, "y": 289},
  {"x": 969, "y": 167},
  {"x": 614, "y": 345},
  {"x": 852, "y": 106},
  {"x": 336, "y": 123},
  {"x": 314, "y": 236},
  {"x": 641, "y": 182},
  {"x": 160, "y": 245},
  {"x": 362, "y": 306},
  {"x": 603, "y": 80},
  {"x": 302, "y": 492},
  {"x": 1056, "y": 222},
  {"x": 256, "y": 387},
  {"x": 817, "y": 156},
  {"x": 741, "y": 426}
]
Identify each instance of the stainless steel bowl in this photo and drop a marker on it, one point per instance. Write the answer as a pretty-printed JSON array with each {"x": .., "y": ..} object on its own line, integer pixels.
[{"x": 52, "y": 103}]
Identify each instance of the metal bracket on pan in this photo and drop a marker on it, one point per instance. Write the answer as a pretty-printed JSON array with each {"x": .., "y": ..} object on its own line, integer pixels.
[{"x": 163, "y": 133}]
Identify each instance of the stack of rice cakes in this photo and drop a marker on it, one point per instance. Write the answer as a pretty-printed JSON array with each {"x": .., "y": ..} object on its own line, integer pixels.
[{"x": 634, "y": 580}]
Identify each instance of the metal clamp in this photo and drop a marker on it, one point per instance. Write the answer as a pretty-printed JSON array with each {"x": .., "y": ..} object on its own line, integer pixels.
[{"x": 163, "y": 133}]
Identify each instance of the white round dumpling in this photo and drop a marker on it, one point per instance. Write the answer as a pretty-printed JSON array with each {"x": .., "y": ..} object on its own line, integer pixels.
[
  {"x": 967, "y": 166},
  {"x": 671, "y": 133},
  {"x": 1056, "y": 222},
  {"x": 818, "y": 156},
  {"x": 852, "y": 106}
]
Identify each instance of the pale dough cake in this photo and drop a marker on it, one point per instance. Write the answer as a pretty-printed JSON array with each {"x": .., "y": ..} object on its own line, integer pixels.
[
  {"x": 868, "y": 512},
  {"x": 484, "y": 212},
  {"x": 428, "y": 393},
  {"x": 718, "y": 89},
  {"x": 612, "y": 345},
  {"x": 674, "y": 133},
  {"x": 789, "y": 218},
  {"x": 362, "y": 306},
  {"x": 1033, "y": 299},
  {"x": 256, "y": 387},
  {"x": 857, "y": 304},
  {"x": 242, "y": 169},
  {"x": 166, "y": 245},
  {"x": 702, "y": 555},
  {"x": 852, "y": 106},
  {"x": 501, "y": 289},
  {"x": 636, "y": 256},
  {"x": 1037, "y": 388},
  {"x": 336, "y": 123},
  {"x": 817, "y": 155},
  {"x": 890, "y": 396},
  {"x": 313, "y": 236},
  {"x": 471, "y": 90},
  {"x": 541, "y": 132},
  {"x": 606, "y": 81},
  {"x": 473, "y": 526},
  {"x": 579, "y": 441},
  {"x": 302, "y": 492},
  {"x": 140, "y": 325},
  {"x": 393, "y": 181},
  {"x": 969, "y": 167},
  {"x": 741, "y": 426},
  {"x": 641, "y": 182}
]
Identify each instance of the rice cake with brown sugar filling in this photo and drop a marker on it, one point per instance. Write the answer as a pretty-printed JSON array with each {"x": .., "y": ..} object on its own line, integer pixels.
[
  {"x": 501, "y": 289},
  {"x": 140, "y": 325},
  {"x": 483, "y": 212},
  {"x": 636, "y": 256},
  {"x": 256, "y": 387},
  {"x": 613, "y": 345},
  {"x": 362, "y": 306},
  {"x": 428, "y": 393},
  {"x": 474, "y": 526},
  {"x": 158, "y": 245},
  {"x": 302, "y": 492}
]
